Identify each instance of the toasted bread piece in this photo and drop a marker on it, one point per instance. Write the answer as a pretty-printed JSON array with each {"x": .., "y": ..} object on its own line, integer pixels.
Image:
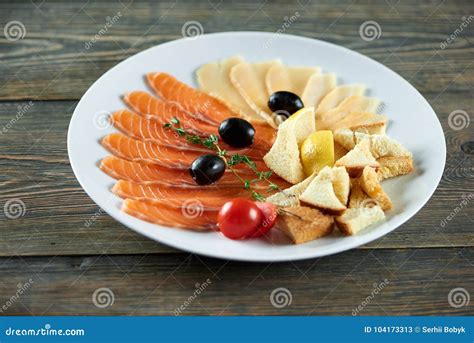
[
  {"x": 320, "y": 194},
  {"x": 353, "y": 220},
  {"x": 371, "y": 128},
  {"x": 301, "y": 124},
  {"x": 339, "y": 151},
  {"x": 394, "y": 166},
  {"x": 302, "y": 224},
  {"x": 341, "y": 183},
  {"x": 357, "y": 159},
  {"x": 290, "y": 196},
  {"x": 370, "y": 184},
  {"x": 380, "y": 145},
  {"x": 328, "y": 191},
  {"x": 345, "y": 138},
  {"x": 284, "y": 156},
  {"x": 358, "y": 198}
]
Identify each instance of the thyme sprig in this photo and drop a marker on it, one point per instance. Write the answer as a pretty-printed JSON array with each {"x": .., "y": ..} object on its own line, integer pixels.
[{"x": 231, "y": 160}]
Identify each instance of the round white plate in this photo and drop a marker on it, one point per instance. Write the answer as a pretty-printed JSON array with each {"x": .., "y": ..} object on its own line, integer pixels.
[{"x": 412, "y": 122}]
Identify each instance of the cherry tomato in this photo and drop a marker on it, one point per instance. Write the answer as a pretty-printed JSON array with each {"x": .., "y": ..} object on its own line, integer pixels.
[
  {"x": 270, "y": 215},
  {"x": 239, "y": 218}
]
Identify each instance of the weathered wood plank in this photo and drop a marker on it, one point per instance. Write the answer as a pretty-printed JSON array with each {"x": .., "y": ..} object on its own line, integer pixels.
[
  {"x": 52, "y": 61},
  {"x": 34, "y": 168},
  {"x": 408, "y": 282}
]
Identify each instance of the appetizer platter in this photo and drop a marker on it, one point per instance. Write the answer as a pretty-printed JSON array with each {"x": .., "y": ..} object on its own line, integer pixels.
[{"x": 251, "y": 152}]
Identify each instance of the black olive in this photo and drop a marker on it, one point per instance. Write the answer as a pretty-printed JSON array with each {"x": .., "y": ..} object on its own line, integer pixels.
[
  {"x": 207, "y": 169},
  {"x": 237, "y": 132},
  {"x": 285, "y": 103}
]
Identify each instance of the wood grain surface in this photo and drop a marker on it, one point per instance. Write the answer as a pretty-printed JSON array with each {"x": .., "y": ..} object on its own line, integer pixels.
[
  {"x": 69, "y": 248},
  {"x": 411, "y": 282}
]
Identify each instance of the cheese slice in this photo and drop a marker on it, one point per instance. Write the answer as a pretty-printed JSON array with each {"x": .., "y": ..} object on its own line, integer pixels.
[
  {"x": 317, "y": 87},
  {"x": 291, "y": 79},
  {"x": 249, "y": 80},
  {"x": 214, "y": 79},
  {"x": 337, "y": 95}
]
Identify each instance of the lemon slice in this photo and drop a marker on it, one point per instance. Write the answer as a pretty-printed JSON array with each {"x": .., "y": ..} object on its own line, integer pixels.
[{"x": 317, "y": 151}]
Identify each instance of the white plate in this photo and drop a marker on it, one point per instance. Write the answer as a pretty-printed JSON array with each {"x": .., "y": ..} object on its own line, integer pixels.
[{"x": 412, "y": 122}]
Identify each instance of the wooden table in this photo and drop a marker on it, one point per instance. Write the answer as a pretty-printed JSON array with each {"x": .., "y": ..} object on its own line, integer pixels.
[{"x": 42, "y": 77}]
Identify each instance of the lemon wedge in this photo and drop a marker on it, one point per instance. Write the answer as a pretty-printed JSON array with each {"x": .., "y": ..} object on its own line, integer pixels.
[{"x": 317, "y": 151}]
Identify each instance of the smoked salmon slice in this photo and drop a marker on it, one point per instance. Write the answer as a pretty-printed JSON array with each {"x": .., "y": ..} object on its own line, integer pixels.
[
  {"x": 208, "y": 198},
  {"x": 191, "y": 100},
  {"x": 192, "y": 219},
  {"x": 135, "y": 150},
  {"x": 147, "y": 105},
  {"x": 121, "y": 169},
  {"x": 140, "y": 128},
  {"x": 148, "y": 173}
]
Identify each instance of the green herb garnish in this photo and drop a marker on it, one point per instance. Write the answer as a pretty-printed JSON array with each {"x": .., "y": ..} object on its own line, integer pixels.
[{"x": 212, "y": 142}]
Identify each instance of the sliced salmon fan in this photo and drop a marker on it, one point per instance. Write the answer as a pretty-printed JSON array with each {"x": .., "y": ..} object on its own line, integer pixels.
[{"x": 151, "y": 162}]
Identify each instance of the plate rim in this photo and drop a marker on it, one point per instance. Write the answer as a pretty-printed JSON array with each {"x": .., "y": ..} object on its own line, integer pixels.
[{"x": 330, "y": 250}]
